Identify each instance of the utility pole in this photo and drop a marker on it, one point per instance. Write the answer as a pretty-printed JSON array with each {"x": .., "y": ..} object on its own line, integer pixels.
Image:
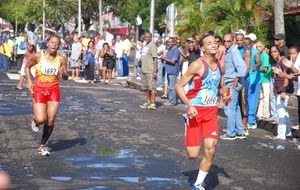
[
  {"x": 279, "y": 18},
  {"x": 16, "y": 30},
  {"x": 152, "y": 13},
  {"x": 79, "y": 17},
  {"x": 44, "y": 19},
  {"x": 100, "y": 18}
]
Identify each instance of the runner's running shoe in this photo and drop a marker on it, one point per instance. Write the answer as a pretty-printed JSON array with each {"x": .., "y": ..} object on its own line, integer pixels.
[
  {"x": 144, "y": 105},
  {"x": 34, "y": 126},
  {"x": 43, "y": 150},
  {"x": 198, "y": 187}
]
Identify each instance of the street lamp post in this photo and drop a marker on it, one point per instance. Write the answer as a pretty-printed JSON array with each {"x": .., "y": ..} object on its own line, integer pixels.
[
  {"x": 100, "y": 18},
  {"x": 44, "y": 19},
  {"x": 138, "y": 22},
  {"x": 79, "y": 17},
  {"x": 152, "y": 13}
]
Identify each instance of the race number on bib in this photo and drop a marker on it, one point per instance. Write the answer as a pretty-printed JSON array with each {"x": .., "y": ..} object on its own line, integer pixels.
[
  {"x": 49, "y": 69},
  {"x": 209, "y": 100}
]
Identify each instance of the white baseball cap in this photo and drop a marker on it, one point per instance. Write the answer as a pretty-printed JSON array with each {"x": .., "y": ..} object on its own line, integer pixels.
[
  {"x": 241, "y": 31},
  {"x": 251, "y": 36}
]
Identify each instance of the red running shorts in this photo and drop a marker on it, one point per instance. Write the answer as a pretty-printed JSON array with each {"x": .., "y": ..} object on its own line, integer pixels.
[
  {"x": 204, "y": 125},
  {"x": 45, "y": 95}
]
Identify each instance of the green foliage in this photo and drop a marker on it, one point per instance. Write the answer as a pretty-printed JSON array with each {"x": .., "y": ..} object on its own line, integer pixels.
[
  {"x": 191, "y": 20},
  {"x": 132, "y": 8},
  {"x": 223, "y": 16},
  {"x": 57, "y": 11}
]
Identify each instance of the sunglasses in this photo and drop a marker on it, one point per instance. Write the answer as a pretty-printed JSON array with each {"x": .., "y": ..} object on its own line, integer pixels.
[{"x": 227, "y": 41}]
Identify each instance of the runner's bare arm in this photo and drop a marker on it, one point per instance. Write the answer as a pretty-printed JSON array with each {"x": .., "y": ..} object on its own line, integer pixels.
[
  {"x": 64, "y": 67},
  {"x": 196, "y": 68},
  {"x": 33, "y": 60}
]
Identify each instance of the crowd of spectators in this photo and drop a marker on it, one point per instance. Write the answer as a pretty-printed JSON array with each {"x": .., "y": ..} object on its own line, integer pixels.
[{"x": 263, "y": 90}]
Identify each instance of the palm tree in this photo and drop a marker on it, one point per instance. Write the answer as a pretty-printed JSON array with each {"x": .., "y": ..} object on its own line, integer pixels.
[
  {"x": 223, "y": 16},
  {"x": 231, "y": 15},
  {"x": 278, "y": 13},
  {"x": 191, "y": 20}
]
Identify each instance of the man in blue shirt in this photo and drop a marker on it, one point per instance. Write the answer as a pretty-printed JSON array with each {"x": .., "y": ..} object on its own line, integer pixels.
[
  {"x": 172, "y": 68},
  {"x": 254, "y": 83},
  {"x": 235, "y": 68}
]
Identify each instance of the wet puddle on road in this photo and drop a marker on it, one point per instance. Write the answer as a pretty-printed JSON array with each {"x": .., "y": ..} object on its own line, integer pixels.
[{"x": 112, "y": 166}]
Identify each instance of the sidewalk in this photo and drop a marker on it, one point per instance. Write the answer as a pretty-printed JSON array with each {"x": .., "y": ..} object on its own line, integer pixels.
[{"x": 262, "y": 124}]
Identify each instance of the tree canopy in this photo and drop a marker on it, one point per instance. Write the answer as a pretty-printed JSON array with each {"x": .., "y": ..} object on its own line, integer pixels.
[{"x": 194, "y": 16}]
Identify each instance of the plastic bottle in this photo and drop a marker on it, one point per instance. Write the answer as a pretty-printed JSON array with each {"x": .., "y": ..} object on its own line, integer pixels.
[{"x": 227, "y": 94}]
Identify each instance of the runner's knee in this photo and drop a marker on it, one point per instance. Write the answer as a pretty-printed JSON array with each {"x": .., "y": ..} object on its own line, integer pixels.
[
  {"x": 39, "y": 119},
  {"x": 192, "y": 155}
]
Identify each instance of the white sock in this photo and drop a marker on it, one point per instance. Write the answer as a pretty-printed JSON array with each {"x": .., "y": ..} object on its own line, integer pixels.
[{"x": 200, "y": 178}]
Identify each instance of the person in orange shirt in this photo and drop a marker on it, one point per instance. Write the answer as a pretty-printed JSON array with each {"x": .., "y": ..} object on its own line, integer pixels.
[{"x": 46, "y": 90}]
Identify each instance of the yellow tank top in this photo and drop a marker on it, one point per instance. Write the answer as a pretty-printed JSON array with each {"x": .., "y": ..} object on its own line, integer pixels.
[{"x": 47, "y": 72}]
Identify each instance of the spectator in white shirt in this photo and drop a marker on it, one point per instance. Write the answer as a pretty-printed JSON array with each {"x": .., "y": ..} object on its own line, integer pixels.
[{"x": 119, "y": 50}]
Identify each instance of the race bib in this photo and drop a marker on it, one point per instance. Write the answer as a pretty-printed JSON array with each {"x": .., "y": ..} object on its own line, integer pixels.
[
  {"x": 210, "y": 100},
  {"x": 49, "y": 69}
]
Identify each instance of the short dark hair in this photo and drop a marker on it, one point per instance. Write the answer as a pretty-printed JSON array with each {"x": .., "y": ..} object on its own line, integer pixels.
[
  {"x": 239, "y": 34},
  {"x": 295, "y": 48},
  {"x": 105, "y": 44},
  {"x": 171, "y": 38},
  {"x": 205, "y": 35},
  {"x": 54, "y": 36}
]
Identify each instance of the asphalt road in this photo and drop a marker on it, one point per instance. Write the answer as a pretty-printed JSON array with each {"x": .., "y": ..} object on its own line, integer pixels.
[{"x": 103, "y": 140}]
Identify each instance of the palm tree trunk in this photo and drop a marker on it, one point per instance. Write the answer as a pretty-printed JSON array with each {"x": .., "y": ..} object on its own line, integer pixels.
[{"x": 279, "y": 19}]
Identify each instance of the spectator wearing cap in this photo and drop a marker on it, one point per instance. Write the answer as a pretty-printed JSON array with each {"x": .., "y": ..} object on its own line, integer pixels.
[
  {"x": 279, "y": 40},
  {"x": 254, "y": 83}
]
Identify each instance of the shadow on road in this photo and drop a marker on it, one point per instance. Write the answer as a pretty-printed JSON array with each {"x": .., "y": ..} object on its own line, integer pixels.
[
  {"x": 211, "y": 180},
  {"x": 66, "y": 144}
]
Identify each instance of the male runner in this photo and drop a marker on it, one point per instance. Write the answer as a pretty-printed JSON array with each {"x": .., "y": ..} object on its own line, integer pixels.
[
  {"x": 46, "y": 91},
  {"x": 205, "y": 86}
]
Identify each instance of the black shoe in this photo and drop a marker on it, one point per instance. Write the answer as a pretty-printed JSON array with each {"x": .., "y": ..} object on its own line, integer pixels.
[
  {"x": 226, "y": 137},
  {"x": 242, "y": 136}
]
